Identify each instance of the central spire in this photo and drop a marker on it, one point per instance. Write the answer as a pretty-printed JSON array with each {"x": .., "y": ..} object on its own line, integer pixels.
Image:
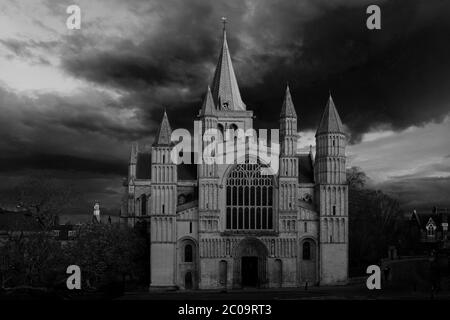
[{"x": 225, "y": 89}]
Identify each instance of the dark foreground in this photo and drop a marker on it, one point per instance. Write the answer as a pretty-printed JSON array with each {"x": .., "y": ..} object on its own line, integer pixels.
[
  {"x": 358, "y": 292},
  {"x": 349, "y": 292}
]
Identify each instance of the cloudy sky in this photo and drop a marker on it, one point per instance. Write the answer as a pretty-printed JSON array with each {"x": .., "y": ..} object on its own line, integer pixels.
[{"x": 71, "y": 101}]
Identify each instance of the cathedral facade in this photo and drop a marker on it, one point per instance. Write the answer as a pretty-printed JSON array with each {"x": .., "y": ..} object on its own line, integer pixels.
[{"x": 218, "y": 226}]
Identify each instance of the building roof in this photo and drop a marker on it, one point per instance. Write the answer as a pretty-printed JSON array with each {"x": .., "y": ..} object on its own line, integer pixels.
[
  {"x": 187, "y": 205},
  {"x": 422, "y": 219},
  {"x": 288, "y": 109},
  {"x": 164, "y": 132},
  {"x": 330, "y": 122},
  {"x": 225, "y": 89},
  {"x": 305, "y": 169}
]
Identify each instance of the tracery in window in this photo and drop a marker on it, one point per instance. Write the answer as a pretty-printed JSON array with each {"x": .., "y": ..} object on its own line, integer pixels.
[{"x": 249, "y": 198}]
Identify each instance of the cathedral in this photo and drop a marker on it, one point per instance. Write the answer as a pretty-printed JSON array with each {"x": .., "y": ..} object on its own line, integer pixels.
[{"x": 223, "y": 226}]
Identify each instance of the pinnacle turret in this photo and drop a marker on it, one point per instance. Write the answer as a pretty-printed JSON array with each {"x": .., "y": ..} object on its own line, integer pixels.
[
  {"x": 208, "y": 108},
  {"x": 164, "y": 132},
  {"x": 288, "y": 109},
  {"x": 330, "y": 122}
]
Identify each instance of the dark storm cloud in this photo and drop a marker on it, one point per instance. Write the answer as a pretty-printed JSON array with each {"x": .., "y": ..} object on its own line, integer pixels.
[
  {"x": 420, "y": 193},
  {"x": 66, "y": 133},
  {"x": 442, "y": 167},
  {"x": 397, "y": 76},
  {"x": 48, "y": 161},
  {"x": 27, "y": 49},
  {"x": 165, "y": 57}
]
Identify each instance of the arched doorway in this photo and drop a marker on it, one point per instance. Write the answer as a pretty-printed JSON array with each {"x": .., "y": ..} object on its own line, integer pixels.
[
  {"x": 188, "y": 280},
  {"x": 187, "y": 264},
  {"x": 250, "y": 263},
  {"x": 308, "y": 258}
]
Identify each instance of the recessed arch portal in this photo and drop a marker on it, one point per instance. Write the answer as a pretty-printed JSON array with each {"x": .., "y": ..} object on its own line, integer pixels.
[
  {"x": 250, "y": 263},
  {"x": 308, "y": 261}
]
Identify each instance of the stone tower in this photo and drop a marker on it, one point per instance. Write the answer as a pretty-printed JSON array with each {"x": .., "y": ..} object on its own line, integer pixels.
[
  {"x": 288, "y": 170},
  {"x": 163, "y": 209},
  {"x": 208, "y": 179},
  {"x": 207, "y": 171},
  {"x": 332, "y": 196}
]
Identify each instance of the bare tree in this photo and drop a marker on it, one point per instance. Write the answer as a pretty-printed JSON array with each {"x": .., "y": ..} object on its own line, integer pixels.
[
  {"x": 45, "y": 198},
  {"x": 375, "y": 221},
  {"x": 30, "y": 252},
  {"x": 356, "y": 178}
]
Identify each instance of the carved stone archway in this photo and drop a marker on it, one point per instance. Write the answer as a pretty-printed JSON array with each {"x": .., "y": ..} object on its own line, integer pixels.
[{"x": 250, "y": 259}]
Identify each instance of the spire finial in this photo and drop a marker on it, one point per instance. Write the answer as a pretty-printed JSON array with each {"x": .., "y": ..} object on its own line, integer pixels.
[{"x": 224, "y": 21}]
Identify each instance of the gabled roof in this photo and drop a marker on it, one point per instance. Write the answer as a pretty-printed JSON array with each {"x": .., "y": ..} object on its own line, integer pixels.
[
  {"x": 164, "y": 132},
  {"x": 225, "y": 89},
  {"x": 424, "y": 218},
  {"x": 187, "y": 205},
  {"x": 430, "y": 223},
  {"x": 330, "y": 122},
  {"x": 288, "y": 109}
]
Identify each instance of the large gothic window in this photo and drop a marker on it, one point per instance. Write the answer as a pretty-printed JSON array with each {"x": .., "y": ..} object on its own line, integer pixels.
[{"x": 249, "y": 199}]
